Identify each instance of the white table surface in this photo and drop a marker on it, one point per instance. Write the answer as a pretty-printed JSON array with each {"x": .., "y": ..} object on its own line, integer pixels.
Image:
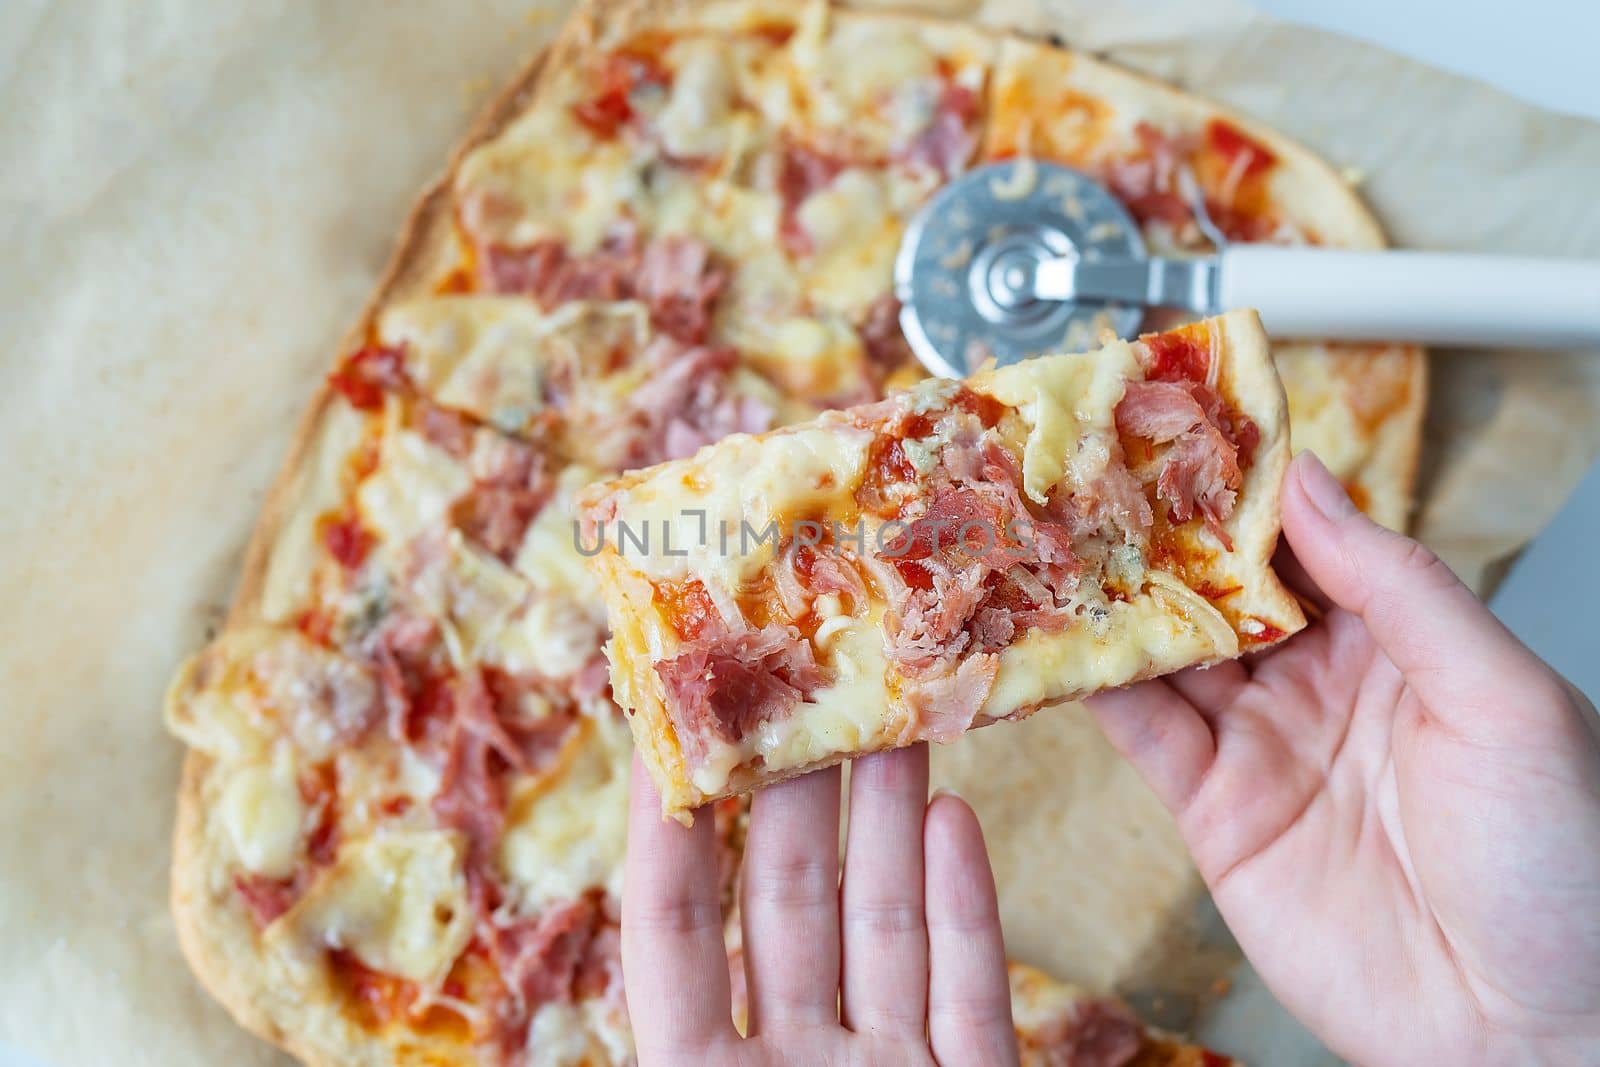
[{"x": 1545, "y": 56}]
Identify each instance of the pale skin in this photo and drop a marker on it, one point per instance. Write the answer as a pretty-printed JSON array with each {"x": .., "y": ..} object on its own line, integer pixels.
[{"x": 1397, "y": 812}]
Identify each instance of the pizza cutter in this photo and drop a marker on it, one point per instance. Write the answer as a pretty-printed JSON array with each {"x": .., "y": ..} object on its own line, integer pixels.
[{"x": 1017, "y": 258}]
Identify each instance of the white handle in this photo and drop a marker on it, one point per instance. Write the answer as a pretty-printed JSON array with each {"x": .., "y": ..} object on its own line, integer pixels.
[{"x": 1430, "y": 297}]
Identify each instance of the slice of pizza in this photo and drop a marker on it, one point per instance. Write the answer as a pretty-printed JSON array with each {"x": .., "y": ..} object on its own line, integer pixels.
[
  {"x": 1060, "y": 1025},
  {"x": 957, "y": 554}
]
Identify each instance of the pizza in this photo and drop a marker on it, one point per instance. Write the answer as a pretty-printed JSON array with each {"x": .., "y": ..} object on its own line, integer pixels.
[
  {"x": 1061, "y": 1025},
  {"x": 954, "y": 555},
  {"x": 398, "y": 833}
]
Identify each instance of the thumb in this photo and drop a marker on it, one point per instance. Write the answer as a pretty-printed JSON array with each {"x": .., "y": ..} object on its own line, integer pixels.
[{"x": 1447, "y": 645}]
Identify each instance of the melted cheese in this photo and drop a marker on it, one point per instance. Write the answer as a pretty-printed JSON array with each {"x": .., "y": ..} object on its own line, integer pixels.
[
  {"x": 870, "y": 83},
  {"x": 557, "y": 1037},
  {"x": 317, "y": 489},
  {"x": 696, "y": 122},
  {"x": 547, "y": 175},
  {"x": 608, "y": 1022},
  {"x": 377, "y": 773},
  {"x": 847, "y": 715},
  {"x": 571, "y": 1035},
  {"x": 1051, "y": 102},
  {"x": 848, "y": 71},
  {"x": 1152, "y": 633},
  {"x": 263, "y": 815},
  {"x": 814, "y": 355},
  {"x": 491, "y": 356},
  {"x": 549, "y": 557},
  {"x": 253, "y": 686},
  {"x": 469, "y": 591},
  {"x": 1038, "y": 1001},
  {"x": 564, "y": 620},
  {"x": 743, "y": 483},
  {"x": 411, "y": 491},
  {"x": 478, "y": 354},
  {"x": 218, "y": 720},
  {"x": 398, "y": 901},
  {"x": 566, "y": 834},
  {"x": 855, "y": 237},
  {"x": 1069, "y": 404}
]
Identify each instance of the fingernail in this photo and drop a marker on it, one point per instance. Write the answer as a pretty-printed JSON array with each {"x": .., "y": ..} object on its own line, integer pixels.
[
  {"x": 1322, "y": 488},
  {"x": 946, "y": 791}
]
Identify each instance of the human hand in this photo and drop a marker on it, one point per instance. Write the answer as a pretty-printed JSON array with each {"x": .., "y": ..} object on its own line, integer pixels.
[
  {"x": 1397, "y": 810},
  {"x": 900, "y": 962}
]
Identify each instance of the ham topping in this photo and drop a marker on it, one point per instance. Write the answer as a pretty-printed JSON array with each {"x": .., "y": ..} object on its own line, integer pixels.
[
  {"x": 726, "y": 683},
  {"x": 488, "y": 740},
  {"x": 539, "y": 961},
  {"x": 512, "y": 485},
  {"x": 958, "y": 557},
  {"x": 675, "y": 276},
  {"x": 450, "y": 430},
  {"x": 1096, "y": 1032},
  {"x": 687, "y": 402},
  {"x": 943, "y": 708},
  {"x": 266, "y": 898},
  {"x": 1202, "y": 470},
  {"x": 947, "y": 142},
  {"x": 1146, "y": 180},
  {"x": 882, "y": 338},
  {"x": 679, "y": 280},
  {"x": 368, "y": 374},
  {"x": 411, "y": 679},
  {"x": 572, "y": 951},
  {"x": 801, "y": 172},
  {"x": 977, "y": 565}
]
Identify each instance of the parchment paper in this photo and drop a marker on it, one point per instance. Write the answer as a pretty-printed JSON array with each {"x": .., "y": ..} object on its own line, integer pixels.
[{"x": 196, "y": 195}]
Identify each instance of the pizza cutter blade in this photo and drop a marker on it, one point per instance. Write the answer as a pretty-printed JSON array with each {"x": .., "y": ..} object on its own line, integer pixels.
[{"x": 1020, "y": 258}]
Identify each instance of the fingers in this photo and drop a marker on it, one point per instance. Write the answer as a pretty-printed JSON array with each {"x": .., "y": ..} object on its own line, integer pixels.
[
  {"x": 1210, "y": 689},
  {"x": 673, "y": 959},
  {"x": 885, "y": 984},
  {"x": 1162, "y": 734},
  {"x": 790, "y": 903},
  {"x": 1441, "y": 637},
  {"x": 969, "y": 996},
  {"x": 1297, "y": 581}
]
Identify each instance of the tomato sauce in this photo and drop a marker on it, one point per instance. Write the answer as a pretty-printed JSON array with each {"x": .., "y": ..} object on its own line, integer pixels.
[
  {"x": 1238, "y": 149},
  {"x": 1179, "y": 355},
  {"x": 368, "y": 374},
  {"x": 347, "y": 540},
  {"x": 620, "y": 74},
  {"x": 689, "y": 608}
]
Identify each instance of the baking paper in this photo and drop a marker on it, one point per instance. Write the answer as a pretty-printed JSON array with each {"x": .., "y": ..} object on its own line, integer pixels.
[{"x": 195, "y": 198}]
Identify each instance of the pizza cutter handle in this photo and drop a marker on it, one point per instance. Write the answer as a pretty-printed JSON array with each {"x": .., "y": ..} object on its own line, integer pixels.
[{"x": 1428, "y": 297}]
